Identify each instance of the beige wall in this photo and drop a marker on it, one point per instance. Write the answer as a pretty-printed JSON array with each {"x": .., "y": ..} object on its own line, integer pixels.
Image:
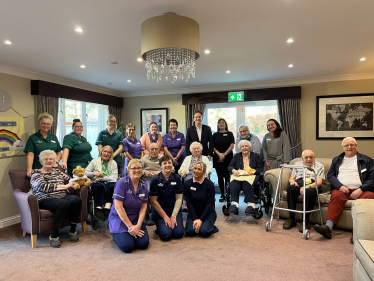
[
  {"x": 322, "y": 148},
  {"x": 19, "y": 90}
]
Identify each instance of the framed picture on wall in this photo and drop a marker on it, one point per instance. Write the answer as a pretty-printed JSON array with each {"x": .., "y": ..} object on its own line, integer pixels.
[
  {"x": 158, "y": 115},
  {"x": 343, "y": 116}
]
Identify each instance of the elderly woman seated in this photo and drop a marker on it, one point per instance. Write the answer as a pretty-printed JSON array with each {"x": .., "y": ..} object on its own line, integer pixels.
[
  {"x": 244, "y": 161},
  {"x": 186, "y": 170},
  {"x": 103, "y": 171},
  {"x": 52, "y": 190}
]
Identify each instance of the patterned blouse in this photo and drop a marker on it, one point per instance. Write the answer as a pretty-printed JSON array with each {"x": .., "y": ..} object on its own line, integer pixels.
[
  {"x": 194, "y": 161},
  {"x": 44, "y": 185}
]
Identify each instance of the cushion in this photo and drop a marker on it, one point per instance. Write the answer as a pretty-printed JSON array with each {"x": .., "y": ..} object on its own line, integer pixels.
[{"x": 45, "y": 215}]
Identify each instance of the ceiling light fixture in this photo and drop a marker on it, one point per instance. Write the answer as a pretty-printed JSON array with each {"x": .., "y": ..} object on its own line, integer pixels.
[
  {"x": 128, "y": 81},
  {"x": 290, "y": 65},
  {"x": 362, "y": 59},
  {"x": 207, "y": 51},
  {"x": 79, "y": 29},
  {"x": 139, "y": 59},
  {"x": 170, "y": 46},
  {"x": 290, "y": 40},
  {"x": 228, "y": 71},
  {"x": 83, "y": 66},
  {"x": 7, "y": 42},
  {"x": 114, "y": 62}
]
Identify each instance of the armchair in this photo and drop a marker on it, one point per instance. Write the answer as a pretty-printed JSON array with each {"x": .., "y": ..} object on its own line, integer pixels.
[{"x": 33, "y": 219}]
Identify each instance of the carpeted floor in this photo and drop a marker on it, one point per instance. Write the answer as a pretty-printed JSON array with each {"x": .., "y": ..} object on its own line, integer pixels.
[{"x": 241, "y": 250}]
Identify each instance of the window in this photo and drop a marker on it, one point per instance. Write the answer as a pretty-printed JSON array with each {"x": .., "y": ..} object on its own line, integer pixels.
[
  {"x": 253, "y": 114},
  {"x": 94, "y": 121}
]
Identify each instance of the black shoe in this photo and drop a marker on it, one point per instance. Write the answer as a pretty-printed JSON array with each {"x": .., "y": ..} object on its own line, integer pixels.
[
  {"x": 99, "y": 214},
  {"x": 222, "y": 198},
  {"x": 324, "y": 230},
  {"x": 250, "y": 211},
  {"x": 233, "y": 210},
  {"x": 106, "y": 213},
  {"x": 149, "y": 222},
  {"x": 289, "y": 223}
]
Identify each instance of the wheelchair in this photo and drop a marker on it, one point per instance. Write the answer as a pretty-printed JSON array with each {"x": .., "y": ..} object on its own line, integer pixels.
[
  {"x": 91, "y": 209},
  {"x": 262, "y": 197}
]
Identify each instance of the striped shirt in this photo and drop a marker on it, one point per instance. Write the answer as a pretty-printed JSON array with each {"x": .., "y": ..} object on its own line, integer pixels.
[{"x": 44, "y": 185}]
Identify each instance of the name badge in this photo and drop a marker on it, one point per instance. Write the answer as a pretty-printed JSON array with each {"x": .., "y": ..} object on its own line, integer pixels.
[
  {"x": 53, "y": 141},
  {"x": 178, "y": 139},
  {"x": 169, "y": 139},
  {"x": 141, "y": 195},
  {"x": 173, "y": 183},
  {"x": 225, "y": 135},
  {"x": 268, "y": 139},
  {"x": 363, "y": 170},
  {"x": 138, "y": 143},
  {"x": 193, "y": 188}
]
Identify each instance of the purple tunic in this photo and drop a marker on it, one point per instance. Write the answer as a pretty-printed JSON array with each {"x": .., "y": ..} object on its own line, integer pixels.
[
  {"x": 175, "y": 144},
  {"x": 125, "y": 192},
  {"x": 134, "y": 148}
]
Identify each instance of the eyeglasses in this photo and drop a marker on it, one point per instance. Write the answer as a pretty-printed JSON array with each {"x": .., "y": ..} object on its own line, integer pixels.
[
  {"x": 243, "y": 131},
  {"x": 46, "y": 124},
  {"x": 151, "y": 149},
  {"x": 349, "y": 145},
  {"x": 113, "y": 122},
  {"x": 78, "y": 127},
  {"x": 136, "y": 169}
]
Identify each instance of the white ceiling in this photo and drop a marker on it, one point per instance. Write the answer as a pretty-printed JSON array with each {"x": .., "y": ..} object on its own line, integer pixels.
[{"x": 246, "y": 37}]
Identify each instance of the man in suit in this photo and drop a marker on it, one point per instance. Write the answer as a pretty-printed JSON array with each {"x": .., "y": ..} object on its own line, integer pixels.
[{"x": 200, "y": 133}]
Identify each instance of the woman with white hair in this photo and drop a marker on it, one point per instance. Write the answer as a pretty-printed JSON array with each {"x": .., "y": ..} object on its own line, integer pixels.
[
  {"x": 242, "y": 161},
  {"x": 52, "y": 190},
  {"x": 103, "y": 172},
  {"x": 186, "y": 170}
]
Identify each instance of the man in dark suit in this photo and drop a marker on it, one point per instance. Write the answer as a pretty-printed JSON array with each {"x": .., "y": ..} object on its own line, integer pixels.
[{"x": 200, "y": 133}]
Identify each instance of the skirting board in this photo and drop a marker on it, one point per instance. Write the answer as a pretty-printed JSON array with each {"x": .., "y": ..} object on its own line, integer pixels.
[{"x": 10, "y": 221}]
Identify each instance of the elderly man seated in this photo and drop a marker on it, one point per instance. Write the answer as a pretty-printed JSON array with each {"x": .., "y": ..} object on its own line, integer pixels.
[
  {"x": 151, "y": 167},
  {"x": 242, "y": 161},
  {"x": 351, "y": 177},
  {"x": 245, "y": 134},
  {"x": 296, "y": 187}
]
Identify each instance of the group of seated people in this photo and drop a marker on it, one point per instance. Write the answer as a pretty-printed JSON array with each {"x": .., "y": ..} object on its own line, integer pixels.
[{"x": 152, "y": 180}]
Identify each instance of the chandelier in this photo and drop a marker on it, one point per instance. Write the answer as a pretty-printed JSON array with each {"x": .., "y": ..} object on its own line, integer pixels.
[{"x": 170, "y": 47}]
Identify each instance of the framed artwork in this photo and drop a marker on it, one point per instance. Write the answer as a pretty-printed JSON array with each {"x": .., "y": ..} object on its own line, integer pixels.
[
  {"x": 158, "y": 115},
  {"x": 345, "y": 116}
]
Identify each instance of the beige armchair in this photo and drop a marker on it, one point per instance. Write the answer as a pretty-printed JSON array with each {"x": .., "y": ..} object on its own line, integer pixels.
[
  {"x": 272, "y": 177},
  {"x": 363, "y": 239}
]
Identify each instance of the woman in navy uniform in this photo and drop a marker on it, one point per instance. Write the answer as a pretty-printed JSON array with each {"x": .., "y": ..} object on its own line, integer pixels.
[{"x": 166, "y": 192}]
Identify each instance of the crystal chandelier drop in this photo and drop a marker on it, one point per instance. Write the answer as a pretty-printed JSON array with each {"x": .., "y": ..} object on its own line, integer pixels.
[{"x": 170, "y": 47}]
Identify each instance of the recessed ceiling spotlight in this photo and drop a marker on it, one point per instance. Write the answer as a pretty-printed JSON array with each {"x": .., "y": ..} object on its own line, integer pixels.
[
  {"x": 228, "y": 71},
  {"x": 128, "y": 81},
  {"x": 7, "y": 42},
  {"x": 290, "y": 65},
  {"x": 83, "y": 66},
  {"x": 79, "y": 29},
  {"x": 114, "y": 62},
  {"x": 290, "y": 40},
  {"x": 362, "y": 59},
  {"x": 207, "y": 51},
  {"x": 139, "y": 59}
]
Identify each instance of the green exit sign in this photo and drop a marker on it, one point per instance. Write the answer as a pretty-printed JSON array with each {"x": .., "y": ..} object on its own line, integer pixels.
[{"x": 236, "y": 96}]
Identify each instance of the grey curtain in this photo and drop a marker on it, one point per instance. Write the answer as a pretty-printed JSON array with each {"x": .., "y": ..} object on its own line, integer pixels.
[
  {"x": 49, "y": 105},
  {"x": 189, "y": 112},
  {"x": 289, "y": 115},
  {"x": 116, "y": 111}
]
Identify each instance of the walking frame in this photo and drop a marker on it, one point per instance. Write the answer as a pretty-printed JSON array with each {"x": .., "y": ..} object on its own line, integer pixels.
[{"x": 278, "y": 196}]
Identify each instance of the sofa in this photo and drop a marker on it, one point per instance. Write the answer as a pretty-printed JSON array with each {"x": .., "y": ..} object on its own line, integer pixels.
[
  {"x": 363, "y": 239},
  {"x": 272, "y": 178}
]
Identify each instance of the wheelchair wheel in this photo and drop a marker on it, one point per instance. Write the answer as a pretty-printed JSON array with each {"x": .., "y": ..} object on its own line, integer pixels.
[
  {"x": 258, "y": 215},
  {"x": 225, "y": 210},
  {"x": 306, "y": 234},
  {"x": 95, "y": 224},
  {"x": 267, "y": 226}
]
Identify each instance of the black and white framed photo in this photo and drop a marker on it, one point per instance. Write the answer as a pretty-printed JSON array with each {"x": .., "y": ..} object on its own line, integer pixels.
[
  {"x": 158, "y": 115},
  {"x": 343, "y": 116}
]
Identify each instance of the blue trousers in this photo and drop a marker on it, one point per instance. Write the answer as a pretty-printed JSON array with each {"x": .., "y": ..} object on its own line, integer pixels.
[
  {"x": 206, "y": 229},
  {"x": 102, "y": 192},
  {"x": 127, "y": 243},
  {"x": 165, "y": 232}
]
